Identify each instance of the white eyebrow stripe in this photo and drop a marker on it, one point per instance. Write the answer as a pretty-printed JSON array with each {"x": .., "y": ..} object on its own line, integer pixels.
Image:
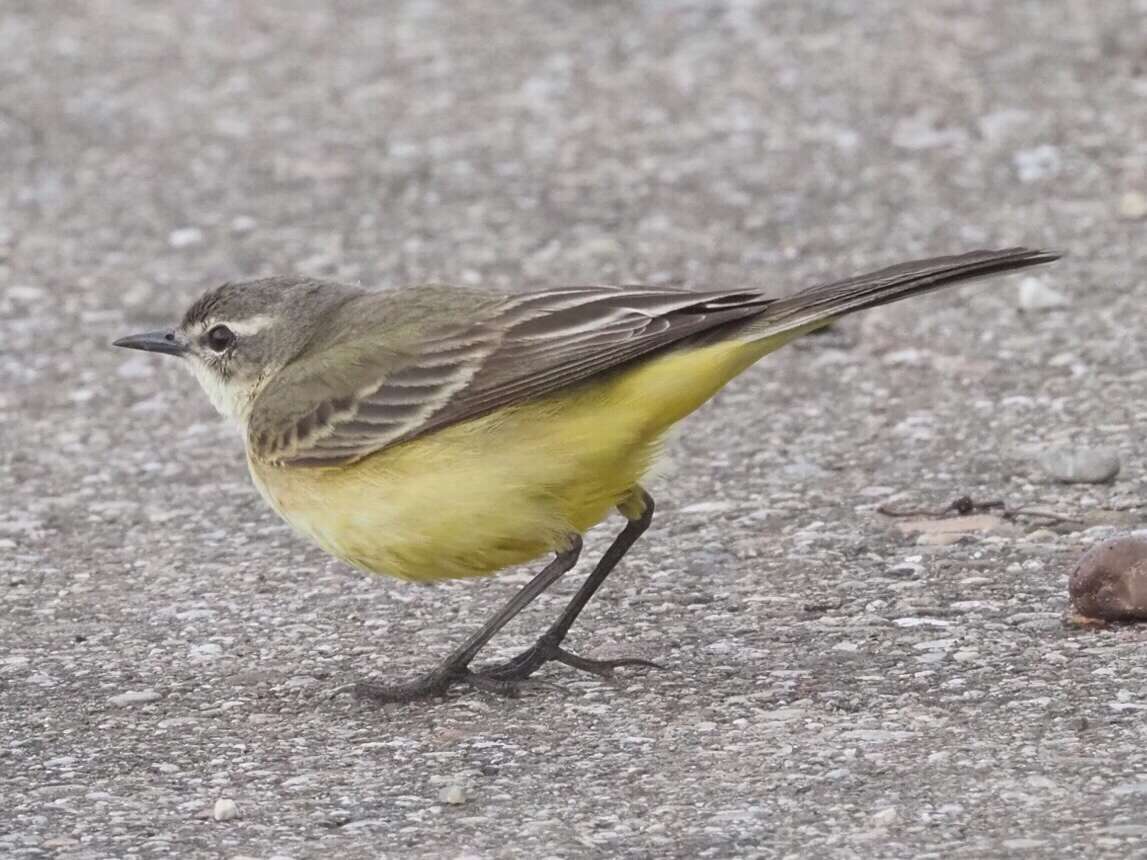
[{"x": 244, "y": 328}]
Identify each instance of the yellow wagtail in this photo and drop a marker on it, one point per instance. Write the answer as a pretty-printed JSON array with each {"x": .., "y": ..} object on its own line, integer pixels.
[{"x": 438, "y": 432}]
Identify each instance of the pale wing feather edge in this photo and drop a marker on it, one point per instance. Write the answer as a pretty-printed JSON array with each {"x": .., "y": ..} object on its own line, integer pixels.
[{"x": 542, "y": 342}]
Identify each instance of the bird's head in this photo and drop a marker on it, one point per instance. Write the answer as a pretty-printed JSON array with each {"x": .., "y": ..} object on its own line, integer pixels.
[{"x": 237, "y": 336}]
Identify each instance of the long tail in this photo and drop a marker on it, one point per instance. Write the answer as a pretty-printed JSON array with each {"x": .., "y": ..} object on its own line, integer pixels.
[{"x": 821, "y": 304}]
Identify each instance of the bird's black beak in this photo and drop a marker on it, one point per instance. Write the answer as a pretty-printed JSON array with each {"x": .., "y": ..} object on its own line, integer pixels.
[{"x": 166, "y": 342}]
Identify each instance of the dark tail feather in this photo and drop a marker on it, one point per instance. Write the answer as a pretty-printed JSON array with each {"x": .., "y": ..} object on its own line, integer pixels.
[{"x": 826, "y": 302}]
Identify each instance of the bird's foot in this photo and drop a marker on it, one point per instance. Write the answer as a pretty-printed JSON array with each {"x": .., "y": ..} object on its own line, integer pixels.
[
  {"x": 545, "y": 650},
  {"x": 503, "y": 679},
  {"x": 437, "y": 683}
]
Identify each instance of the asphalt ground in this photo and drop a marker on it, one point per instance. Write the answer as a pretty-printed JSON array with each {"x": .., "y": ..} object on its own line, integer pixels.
[{"x": 840, "y": 683}]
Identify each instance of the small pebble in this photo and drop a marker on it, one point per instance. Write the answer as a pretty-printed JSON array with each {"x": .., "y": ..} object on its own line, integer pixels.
[
  {"x": 941, "y": 539},
  {"x": 185, "y": 237},
  {"x": 134, "y": 697},
  {"x": 1081, "y": 465},
  {"x": 225, "y": 809},
  {"x": 135, "y": 368},
  {"x": 241, "y": 224},
  {"x": 205, "y": 652},
  {"x": 1035, "y": 295},
  {"x": 452, "y": 794},
  {"x": 1036, "y": 163},
  {"x": 25, "y": 293},
  {"x": 1110, "y": 581},
  {"x": 885, "y": 817},
  {"x": 802, "y": 470},
  {"x": 1133, "y": 205}
]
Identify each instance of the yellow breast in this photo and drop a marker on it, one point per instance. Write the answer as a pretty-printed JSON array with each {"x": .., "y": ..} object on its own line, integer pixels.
[{"x": 505, "y": 488}]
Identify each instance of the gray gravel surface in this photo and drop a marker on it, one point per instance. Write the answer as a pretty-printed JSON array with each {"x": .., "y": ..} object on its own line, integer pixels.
[{"x": 841, "y": 683}]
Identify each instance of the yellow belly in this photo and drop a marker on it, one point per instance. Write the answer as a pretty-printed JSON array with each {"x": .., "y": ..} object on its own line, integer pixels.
[{"x": 508, "y": 487}]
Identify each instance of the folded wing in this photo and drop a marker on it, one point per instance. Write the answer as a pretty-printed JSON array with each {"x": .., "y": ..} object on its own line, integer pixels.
[{"x": 375, "y": 388}]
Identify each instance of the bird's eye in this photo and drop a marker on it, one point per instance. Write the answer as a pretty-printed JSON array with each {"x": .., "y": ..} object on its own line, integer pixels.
[{"x": 220, "y": 338}]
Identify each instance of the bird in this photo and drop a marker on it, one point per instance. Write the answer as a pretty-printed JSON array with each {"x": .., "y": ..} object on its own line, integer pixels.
[{"x": 435, "y": 432}]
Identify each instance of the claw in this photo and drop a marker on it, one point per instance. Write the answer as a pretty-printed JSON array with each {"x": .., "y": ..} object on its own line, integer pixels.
[
  {"x": 544, "y": 651},
  {"x": 602, "y": 668}
]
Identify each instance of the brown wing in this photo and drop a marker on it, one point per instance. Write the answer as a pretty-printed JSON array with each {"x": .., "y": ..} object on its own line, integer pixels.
[{"x": 521, "y": 348}]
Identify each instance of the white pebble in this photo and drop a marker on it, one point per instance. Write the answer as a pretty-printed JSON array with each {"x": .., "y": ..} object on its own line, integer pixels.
[
  {"x": 707, "y": 507},
  {"x": 25, "y": 293},
  {"x": 1081, "y": 465},
  {"x": 225, "y": 809},
  {"x": 1035, "y": 295},
  {"x": 1039, "y": 162},
  {"x": 907, "y": 357},
  {"x": 135, "y": 368},
  {"x": 185, "y": 237},
  {"x": 205, "y": 652},
  {"x": 134, "y": 697},
  {"x": 885, "y": 817},
  {"x": 940, "y": 538},
  {"x": 452, "y": 794},
  {"x": 1133, "y": 205}
]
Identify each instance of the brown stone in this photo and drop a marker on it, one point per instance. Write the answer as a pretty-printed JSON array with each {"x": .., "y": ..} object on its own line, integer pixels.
[{"x": 1110, "y": 581}]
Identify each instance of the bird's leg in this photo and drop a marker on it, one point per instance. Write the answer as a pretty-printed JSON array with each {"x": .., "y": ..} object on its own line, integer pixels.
[
  {"x": 638, "y": 509},
  {"x": 455, "y": 668}
]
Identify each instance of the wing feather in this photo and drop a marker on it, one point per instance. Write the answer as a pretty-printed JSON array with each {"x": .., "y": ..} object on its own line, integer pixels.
[{"x": 525, "y": 347}]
